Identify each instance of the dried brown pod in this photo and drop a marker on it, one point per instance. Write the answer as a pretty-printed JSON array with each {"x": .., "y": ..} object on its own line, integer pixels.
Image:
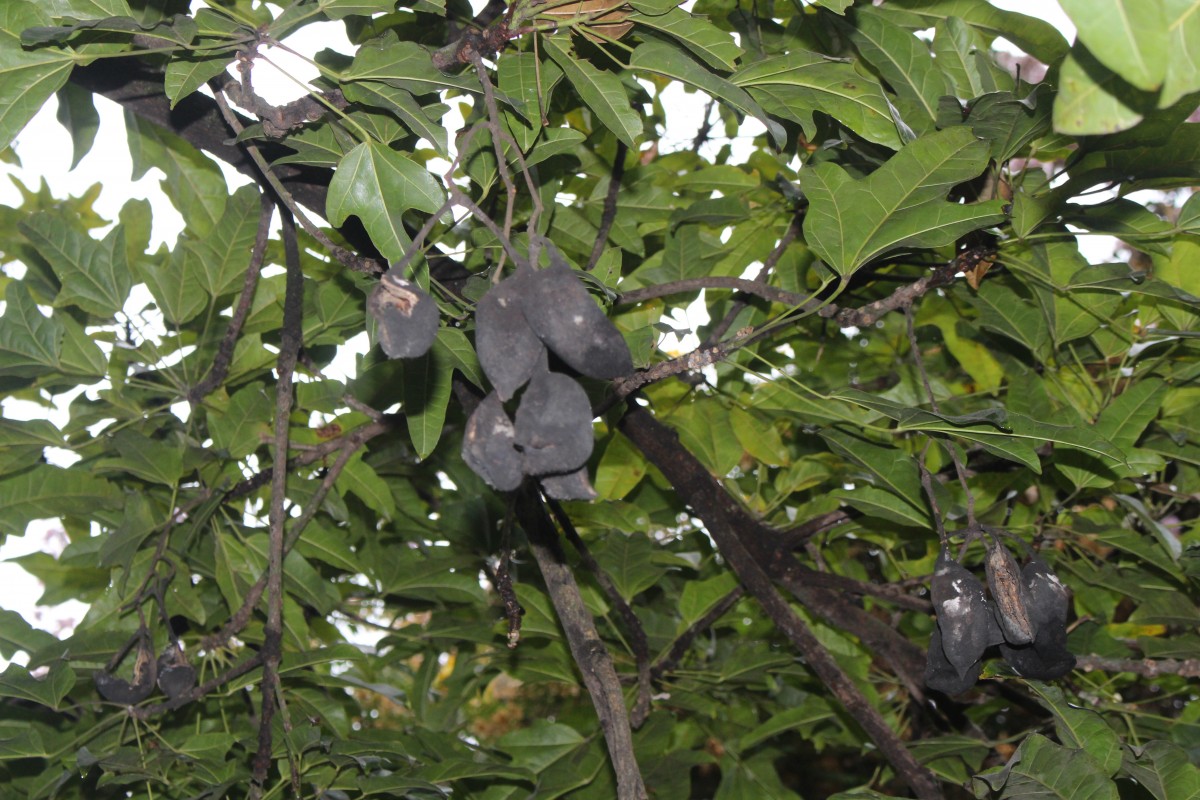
[
  {"x": 119, "y": 690},
  {"x": 508, "y": 349},
  {"x": 943, "y": 676},
  {"x": 1009, "y": 596},
  {"x": 564, "y": 317},
  {"x": 553, "y": 425},
  {"x": 1048, "y": 602},
  {"x": 489, "y": 445},
  {"x": 572, "y": 486},
  {"x": 407, "y": 316},
  {"x": 962, "y": 612},
  {"x": 176, "y": 677}
]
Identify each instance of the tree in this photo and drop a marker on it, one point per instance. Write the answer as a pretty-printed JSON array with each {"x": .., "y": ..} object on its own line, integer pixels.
[{"x": 912, "y": 377}]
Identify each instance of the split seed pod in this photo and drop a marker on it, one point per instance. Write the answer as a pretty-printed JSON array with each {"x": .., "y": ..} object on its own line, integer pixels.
[
  {"x": 1047, "y": 657},
  {"x": 509, "y": 351},
  {"x": 406, "y": 315},
  {"x": 1008, "y": 595},
  {"x": 943, "y": 676},
  {"x": 119, "y": 690},
  {"x": 572, "y": 486},
  {"x": 565, "y": 318},
  {"x": 963, "y": 616},
  {"x": 554, "y": 425},
  {"x": 488, "y": 445}
]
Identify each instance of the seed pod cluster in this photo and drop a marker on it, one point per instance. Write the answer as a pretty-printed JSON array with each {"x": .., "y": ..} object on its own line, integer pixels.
[
  {"x": 171, "y": 672},
  {"x": 1026, "y": 615},
  {"x": 518, "y": 323},
  {"x": 406, "y": 316}
]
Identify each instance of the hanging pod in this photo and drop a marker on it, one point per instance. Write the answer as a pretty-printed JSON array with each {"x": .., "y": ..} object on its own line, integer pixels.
[
  {"x": 1009, "y": 595},
  {"x": 962, "y": 612},
  {"x": 145, "y": 670},
  {"x": 489, "y": 445},
  {"x": 1048, "y": 603},
  {"x": 568, "y": 321},
  {"x": 508, "y": 349},
  {"x": 943, "y": 676},
  {"x": 406, "y": 316},
  {"x": 176, "y": 677},
  {"x": 553, "y": 425}
]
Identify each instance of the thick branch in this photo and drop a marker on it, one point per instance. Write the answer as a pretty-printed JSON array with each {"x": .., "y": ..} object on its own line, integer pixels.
[
  {"x": 1145, "y": 667},
  {"x": 756, "y": 288},
  {"x": 591, "y": 656},
  {"x": 721, "y": 516}
]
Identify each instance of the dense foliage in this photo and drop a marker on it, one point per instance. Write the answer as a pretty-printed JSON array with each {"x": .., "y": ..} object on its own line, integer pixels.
[{"x": 910, "y": 365}]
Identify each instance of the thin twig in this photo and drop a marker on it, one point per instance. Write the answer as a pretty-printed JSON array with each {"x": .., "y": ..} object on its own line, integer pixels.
[
  {"x": 588, "y": 649},
  {"x": 291, "y": 340},
  {"x": 670, "y": 661},
  {"x": 754, "y": 287},
  {"x": 933, "y": 404},
  {"x": 735, "y": 308},
  {"x": 220, "y": 367},
  {"x": 609, "y": 215},
  {"x": 705, "y": 127},
  {"x": 344, "y": 256},
  {"x": 637, "y": 634}
]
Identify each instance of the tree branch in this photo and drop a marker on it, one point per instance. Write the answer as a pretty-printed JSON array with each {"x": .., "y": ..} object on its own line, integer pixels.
[
  {"x": 609, "y": 215},
  {"x": 754, "y": 287},
  {"x": 1145, "y": 667},
  {"x": 590, "y": 654},
  {"x": 721, "y": 515},
  {"x": 633, "y": 625}
]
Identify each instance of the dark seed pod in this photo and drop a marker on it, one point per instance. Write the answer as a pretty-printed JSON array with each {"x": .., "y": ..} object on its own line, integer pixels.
[
  {"x": 1008, "y": 595},
  {"x": 1045, "y": 660},
  {"x": 554, "y": 425},
  {"x": 509, "y": 351},
  {"x": 572, "y": 486},
  {"x": 488, "y": 445},
  {"x": 406, "y": 315},
  {"x": 176, "y": 677},
  {"x": 563, "y": 315},
  {"x": 943, "y": 676},
  {"x": 962, "y": 613},
  {"x": 1048, "y": 600},
  {"x": 119, "y": 690}
]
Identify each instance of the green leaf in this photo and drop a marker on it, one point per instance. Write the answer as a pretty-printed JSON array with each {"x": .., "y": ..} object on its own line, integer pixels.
[
  {"x": 405, "y": 65},
  {"x": 151, "y": 460},
  {"x": 362, "y": 481},
  {"x": 1183, "y": 33},
  {"x": 850, "y": 221},
  {"x": 424, "y": 120},
  {"x": 714, "y": 46},
  {"x": 378, "y": 185},
  {"x": 759, "y": 437},
  {"x": 1040, "y": 768},
  {"x": 453, "y": 344},
  {"x": 955, "y": 46},
  {"x": 517, "y": 76},
  {"x": 541, "y": 744},
  {"x": 46, "y": 492},
  {"x": 338, "y": 9},
  {"x": 30, "y": 343},
  {"x": 904, "y": 61},
  {"x": 663, "y": 59},
  {"x": 223, "y": 256},
  {"x": 27, "y": 77},
  {"x": 700, "y": 597},
  {"x": 602, "y": 92},
  {"x": 1035, "y": 36},
  {"x": 77, "y": 113},
  {"x": 177, "y": 284},
  {"x": 50, "y": 690},
  {"x": 892, "y": 469},
  {"x": 245, "y": 424},
  {"x": 800, "y": 81},
  {"x": 17, "y": 635},
  {"x": 704, "y": 429},
  {"x": 1081, "y": 728},
  {"x": 427, "y": 396},
  {"x": 1092, "y": 100},
  {"x": 630, "y": 563},
  {"x": 1164, "y": 770},
  {"x": 1127, "y": 36},
  {"x": 1004, "y": 311},
  {"x": 94, "y": 274},
  {"x": 185, "y": 73},
  {"x": 195, "y": 185},
  {"x": 620, "y": 470}
]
